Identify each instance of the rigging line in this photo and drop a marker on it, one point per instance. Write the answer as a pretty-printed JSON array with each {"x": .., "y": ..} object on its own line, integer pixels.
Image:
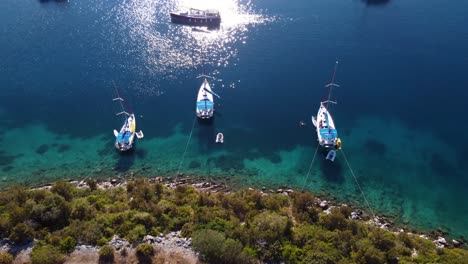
[
  {"x": 359, "y": 186},
  {"x": 125, "y": 104},
  {"x": 186, "y": 147},
  {"x": 98, "y": 164},
  {"x": 330, "y": 86},
  {"x": 310, "y": 166}
]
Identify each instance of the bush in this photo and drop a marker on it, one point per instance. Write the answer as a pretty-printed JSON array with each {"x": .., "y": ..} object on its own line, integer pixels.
[
  {"x": 67, "y": 245},
  {"x": 92, "y": 184},
  {"x": 6, "y": 258},
  {"x": 333, "y": 221},
  {"x": 81, "y": 209},
  {"x": 291, "y": 253},
  {"x": 145, "y": 250},
  {"x": 21, "y": 233},
  {"x": 209, "y": 244},
  {"x": 270, "y": 226},
  {"x": 52, "y": 211},
  {"x": 106, "y": 254},
  {"x": 64, "y": 189},
  {"x": 47, "y": 255},
  {"x": 136, "y": 234},
  {"x": 232, "y": 251}
]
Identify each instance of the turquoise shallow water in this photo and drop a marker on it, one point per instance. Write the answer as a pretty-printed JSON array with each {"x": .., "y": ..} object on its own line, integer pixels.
[{"x": 400, "y": 111}]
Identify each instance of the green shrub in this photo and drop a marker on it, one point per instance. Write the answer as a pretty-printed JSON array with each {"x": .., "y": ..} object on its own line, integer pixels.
[
  {"x": 64, "y": 189},
  {"x": 145, "y": 250},
  {"x": 209, "y": 244},
  {"x": 21, "y": 233},
  {"x": 92, "y": 184},
  {"x": 53, "y": 211},
  {"x": 270, "y": 226},
  {"x": 232, "y": 251},
  {"x": 81, "y": 209},
  {"x": 6, "y": 258},
  {"x": 106, "y": 253},
  {"x": 291, "y": 253},
  {"x": 335, "y": 220},
  {"x": 221, "y": 225},
  {"x": 136, "y": 234},
  {"x": 102, "y": 241},
  {"x": 47, "y": 255},
  {"x": 367, "y": 253},
  {"x": 67, "y": 245}
]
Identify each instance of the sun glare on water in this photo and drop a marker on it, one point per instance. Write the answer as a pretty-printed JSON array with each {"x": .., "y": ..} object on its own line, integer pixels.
[{"x": 167, "y": 49}]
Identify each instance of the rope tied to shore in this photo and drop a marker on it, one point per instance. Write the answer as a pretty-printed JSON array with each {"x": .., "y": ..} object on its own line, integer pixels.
[
  {"x": 310, "y": 166},
  {"x": 352, "y": 173},
  {"x": 359, "y": 186},
  {"x": 186, "y": 147}
]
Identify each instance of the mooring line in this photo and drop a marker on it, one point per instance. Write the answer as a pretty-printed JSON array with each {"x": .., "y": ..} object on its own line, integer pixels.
[
  {"x": 359, "y": 186},
  {"x": 99, "y": 164},
  {"x": 310, "y": 166},
  {"x": 186, "y": 147}
]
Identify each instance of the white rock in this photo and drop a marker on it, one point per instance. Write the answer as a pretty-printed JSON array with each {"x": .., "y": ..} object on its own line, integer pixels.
[
  {"x": 149, "y": 238},
  {"x": 456, "y": 243},
  {"x": 324, "y": 204},
  {"x": 440, "y": 242}
]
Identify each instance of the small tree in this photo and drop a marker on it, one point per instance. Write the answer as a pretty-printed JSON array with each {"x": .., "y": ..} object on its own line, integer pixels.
[
  {"x": 92, "y": 184},
  {"x": 21, "y": 233},
  {"x": 209, "y": 243},
  {"x": 47, "y": 255},
  {"x": 6, "y": 258},
  {"x": 144, "y": 253},
  {"x": 106, "y": 254},
  {"x": 145, "y": 249},
  {"x": 67, "y": 245}
]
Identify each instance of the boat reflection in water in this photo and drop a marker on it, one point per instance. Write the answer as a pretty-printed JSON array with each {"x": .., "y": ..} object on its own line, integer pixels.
[{"x": 196, "y": 17}]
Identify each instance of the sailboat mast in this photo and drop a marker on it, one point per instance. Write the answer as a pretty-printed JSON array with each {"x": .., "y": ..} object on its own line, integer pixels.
[
  {"x": 332, "y": 81},
  {"x": 331, "y": 84}
]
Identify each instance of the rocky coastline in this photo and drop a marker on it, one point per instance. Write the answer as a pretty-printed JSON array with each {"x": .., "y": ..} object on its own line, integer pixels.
[{"x": 173, "y": 244}]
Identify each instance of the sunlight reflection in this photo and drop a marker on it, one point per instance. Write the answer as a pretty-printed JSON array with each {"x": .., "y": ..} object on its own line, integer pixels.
[{"x": 167, "y": 49}]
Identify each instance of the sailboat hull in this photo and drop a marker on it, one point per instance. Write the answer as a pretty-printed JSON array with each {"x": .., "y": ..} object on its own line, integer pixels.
[
  {"x": 326, "y": 131},
  {"x": 205, "y": 101},
  {"x": 125, "y": 137}
]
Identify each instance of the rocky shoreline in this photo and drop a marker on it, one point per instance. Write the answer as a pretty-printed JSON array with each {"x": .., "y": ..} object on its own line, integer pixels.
[{"x": 173, "y": 244}]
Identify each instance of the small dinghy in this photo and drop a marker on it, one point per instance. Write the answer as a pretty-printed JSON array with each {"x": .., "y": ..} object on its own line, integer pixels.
[
  {"x": 220, "y": 138},
  {"x": 331, "y": 155}
]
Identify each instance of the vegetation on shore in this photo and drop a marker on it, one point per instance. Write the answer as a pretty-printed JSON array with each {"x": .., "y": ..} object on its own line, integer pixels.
[{"x": 244, "y": 226}]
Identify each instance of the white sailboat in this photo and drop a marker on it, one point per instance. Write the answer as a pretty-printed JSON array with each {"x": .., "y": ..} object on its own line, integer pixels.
[
  {"x": 125, "y": 137},
  {"x": 205, "y": 100},
  {"x": 327, "y": 133}
]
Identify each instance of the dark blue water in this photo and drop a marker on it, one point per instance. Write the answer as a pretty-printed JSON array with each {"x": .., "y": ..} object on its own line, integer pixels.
[{"x": 400, "y": 112}]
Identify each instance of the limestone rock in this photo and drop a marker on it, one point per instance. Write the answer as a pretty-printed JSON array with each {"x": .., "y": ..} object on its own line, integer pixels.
[{"x": 324, "y": 204}]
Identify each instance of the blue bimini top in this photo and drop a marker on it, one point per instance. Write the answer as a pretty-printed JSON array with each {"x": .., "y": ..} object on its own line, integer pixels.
[
  {"x": 328, "y": 133},
  {"x": 204, "y": 104},
  {"x": 123, "y": 137}
]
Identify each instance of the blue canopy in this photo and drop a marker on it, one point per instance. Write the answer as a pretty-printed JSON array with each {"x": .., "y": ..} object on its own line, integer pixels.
[
  {"x": 204, "y": 104},
  {"x": 123, "y": 137},
  {"x": 328, "y": 133}
]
